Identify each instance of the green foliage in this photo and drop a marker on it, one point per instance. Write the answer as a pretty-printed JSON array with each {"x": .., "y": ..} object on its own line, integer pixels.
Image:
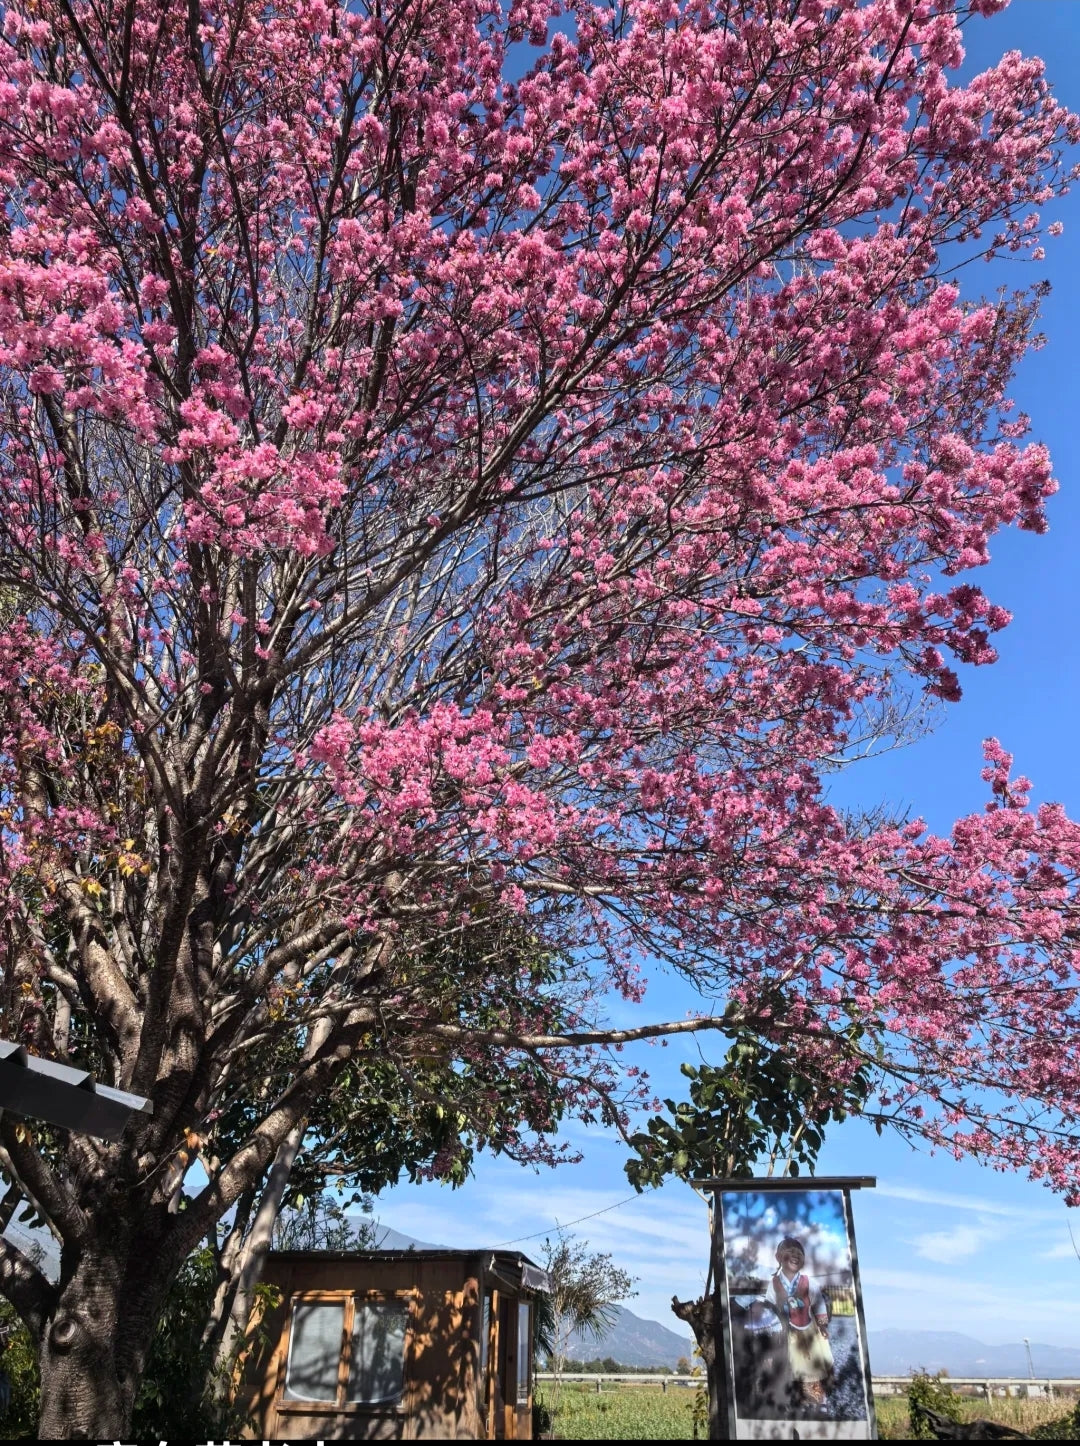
[
  {"x": 1034, "y": 1417},
  {"x": 19, "y": 1363},
  {"x": 631, "y": 1412},
  {"x": 179, "y": 1395},
  {"x": 757, "y": 1103},
  {"x": 390, "y": 1113},
  {"x": 542, "y": 1420},
  {"x": 700, "y": 1416},
  {"x": 928, "y": 1392}
]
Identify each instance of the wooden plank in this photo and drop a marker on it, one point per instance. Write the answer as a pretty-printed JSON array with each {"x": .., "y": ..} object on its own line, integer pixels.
[
  {"x": 493, "y": 1365},
  {"x": 510, "y": 1373}
]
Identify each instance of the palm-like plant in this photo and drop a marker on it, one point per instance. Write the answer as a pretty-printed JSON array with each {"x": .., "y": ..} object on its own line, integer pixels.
[{"x": 585, "y": 1288}]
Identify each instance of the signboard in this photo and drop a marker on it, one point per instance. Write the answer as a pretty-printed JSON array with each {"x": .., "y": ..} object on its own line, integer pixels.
[{"x": 794, "y": 1347}]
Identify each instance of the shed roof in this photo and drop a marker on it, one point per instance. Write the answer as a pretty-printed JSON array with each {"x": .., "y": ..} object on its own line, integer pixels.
[
  {"x": 518, "y": 1269},
  {"x": 71, "y": 1098}
]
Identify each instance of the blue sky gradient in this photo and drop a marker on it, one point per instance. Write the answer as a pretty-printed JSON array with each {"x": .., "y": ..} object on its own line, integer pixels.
[{"x": 943, "y": 1245}]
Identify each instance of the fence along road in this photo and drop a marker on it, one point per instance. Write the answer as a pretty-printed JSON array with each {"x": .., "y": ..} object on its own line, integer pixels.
[{"x": 882, "y": 1385}]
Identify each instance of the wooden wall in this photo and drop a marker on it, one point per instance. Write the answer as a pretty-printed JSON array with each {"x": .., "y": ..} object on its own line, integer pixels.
[{"x": 441, "y": 1399}]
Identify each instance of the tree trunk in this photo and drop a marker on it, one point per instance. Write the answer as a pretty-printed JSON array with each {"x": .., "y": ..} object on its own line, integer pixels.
[
  {"x": 95, "y": 1346},
  {"x": 705, "y": 1319},
  {"x": 253, "y": 1253},
  {"x": 228, "y": 1266}
]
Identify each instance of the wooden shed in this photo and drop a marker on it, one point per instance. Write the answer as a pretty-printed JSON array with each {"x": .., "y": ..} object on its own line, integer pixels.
[{"x": 395, "y": 1345}]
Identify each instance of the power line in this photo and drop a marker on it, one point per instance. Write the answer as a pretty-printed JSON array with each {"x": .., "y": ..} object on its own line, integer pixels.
[{"x": 520, "y": 1240}]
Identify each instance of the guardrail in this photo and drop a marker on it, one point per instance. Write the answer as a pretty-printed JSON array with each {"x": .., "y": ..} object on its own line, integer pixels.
[
  {"x": 882, "y": 1385},
  {"x": 644, "y": 1378},
  {"x": 986, "y": 1385}
]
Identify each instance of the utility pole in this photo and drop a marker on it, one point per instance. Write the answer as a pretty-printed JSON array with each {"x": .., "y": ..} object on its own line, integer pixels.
[{"x": 1031, "y": 1364}]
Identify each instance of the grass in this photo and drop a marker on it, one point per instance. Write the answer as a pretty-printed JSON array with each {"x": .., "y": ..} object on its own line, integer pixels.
[
  {"x": 624, "y": 1413},
  {"x": 645, "y": 1413}
]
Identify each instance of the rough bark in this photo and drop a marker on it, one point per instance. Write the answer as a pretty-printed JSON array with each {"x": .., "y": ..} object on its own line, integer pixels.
[
  {"x": 94, "y": 1347},
  {"x": 705, "y": 1318}
]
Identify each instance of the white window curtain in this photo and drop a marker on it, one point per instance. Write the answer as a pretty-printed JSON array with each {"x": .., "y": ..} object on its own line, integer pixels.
[
  {"x": 315, "y": 1342},
  {"x": 377, "y": 1365},
  {"x": 524, "y": 1353}
]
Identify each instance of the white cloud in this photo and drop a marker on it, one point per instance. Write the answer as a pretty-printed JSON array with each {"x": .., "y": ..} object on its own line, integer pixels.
[
  {"x": 962, "y": 1241},
  {"x": 978, "y": 1203},
  {"x": 914, "y": 1300},
  {"x": 1064, "y": 1250}
]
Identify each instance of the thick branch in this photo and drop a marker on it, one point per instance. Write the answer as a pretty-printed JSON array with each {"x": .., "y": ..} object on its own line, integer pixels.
[{"x": 576, "y": 1039}]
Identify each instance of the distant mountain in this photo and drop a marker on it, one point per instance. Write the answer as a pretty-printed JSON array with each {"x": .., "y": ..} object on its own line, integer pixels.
[
  {"x": 632, "y": 1341},
  {"x": 386, "y": 1238},
  {"x": 896, "y": 1352},
  {"x": 636, "y": 1342}
]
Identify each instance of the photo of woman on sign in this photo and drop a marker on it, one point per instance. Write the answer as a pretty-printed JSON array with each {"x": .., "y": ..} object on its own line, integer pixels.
[{"x": 803, "y": 1309}]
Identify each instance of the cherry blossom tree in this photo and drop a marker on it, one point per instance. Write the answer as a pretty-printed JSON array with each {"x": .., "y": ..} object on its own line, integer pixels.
[{"x": 459, "y": 502}]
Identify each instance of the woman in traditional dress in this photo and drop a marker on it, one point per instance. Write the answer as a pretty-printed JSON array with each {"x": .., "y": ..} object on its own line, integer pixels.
[{"x": 802, "y": 1306}]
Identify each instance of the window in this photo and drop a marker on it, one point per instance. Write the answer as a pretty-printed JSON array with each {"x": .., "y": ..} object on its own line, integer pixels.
[
  {"x": 347, "y": 1351},
  {"x": 315, "y": 1344},
  {"x": 485, "y": 1335},
  {"x": 524, "y": 1353},
  {"x": 377, "y": 1358}
]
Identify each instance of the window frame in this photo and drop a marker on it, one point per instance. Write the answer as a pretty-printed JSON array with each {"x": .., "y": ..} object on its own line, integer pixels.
[
  {"x": 525, "y": 1308},
  {"x": 296, "y": 1305},
  {"x": 349, "y": 1299}
]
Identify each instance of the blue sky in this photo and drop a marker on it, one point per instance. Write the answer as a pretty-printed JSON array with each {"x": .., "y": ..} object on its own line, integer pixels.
[{"x": 942, "y": 1245}]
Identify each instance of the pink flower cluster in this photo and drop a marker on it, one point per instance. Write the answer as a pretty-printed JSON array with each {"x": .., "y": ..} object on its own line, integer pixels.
[{"x": 463, "y": 494}]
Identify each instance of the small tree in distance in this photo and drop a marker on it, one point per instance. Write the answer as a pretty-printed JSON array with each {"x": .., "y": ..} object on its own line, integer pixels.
[{"x": 585, "y": 1288}]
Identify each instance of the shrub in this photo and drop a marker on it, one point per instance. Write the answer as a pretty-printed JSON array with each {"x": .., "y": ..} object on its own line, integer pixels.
[
  {"x": 18, "y": 1362},
  {"x": 928, "y": 1392},
  {"x": 541, "y": 1420}
]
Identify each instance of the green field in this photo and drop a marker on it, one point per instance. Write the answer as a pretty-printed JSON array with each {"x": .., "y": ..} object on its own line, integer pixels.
[
  {"x": 645, "y": 1413},
  {"x": 625, "y": 1413}
]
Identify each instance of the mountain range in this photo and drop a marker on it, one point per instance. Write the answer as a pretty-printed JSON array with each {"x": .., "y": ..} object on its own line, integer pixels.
[
  {"x": 632, "y": 1341},
  {"x": 895, "y": 1352}
]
